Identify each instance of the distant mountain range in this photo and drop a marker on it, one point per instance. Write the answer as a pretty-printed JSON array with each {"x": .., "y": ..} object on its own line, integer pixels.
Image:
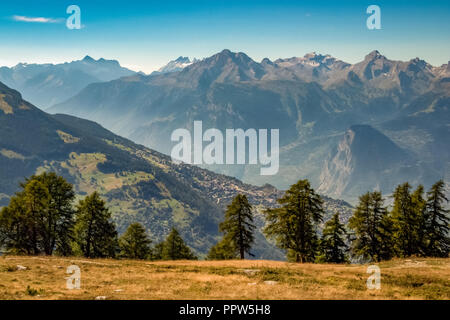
[
  {"x": 315, "y": 101},
  {"x": 48, "y": 84},
  {"x": 139, "y": 184},
  {"x": 175, "y": 65}
]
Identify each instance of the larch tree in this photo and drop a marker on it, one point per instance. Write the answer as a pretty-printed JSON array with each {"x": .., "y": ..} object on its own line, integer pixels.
[
  {"x": 174, "y": 248},
  {"x": 437, "y": 222},
  {"x": 370, "y": 225},
  {"x": 135, "y": 243},
  {"x": 95, "y": 233},
  {"x": 332, "y": 243},
  {"x": 238, "y": 226},
  {"x": 294, "y": 224},
  {"x": 406, "y": 222}
]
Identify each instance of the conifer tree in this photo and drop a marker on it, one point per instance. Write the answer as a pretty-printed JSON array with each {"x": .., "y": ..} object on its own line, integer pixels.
[
  {"x": 385, "y": 232},
  {"x": 95, "y": 234},
  {"x": 223, "y": 250},
  {"x": 174, "y": 248},
  {"x": 16, "y": 228},
  {"x": 370, "y": 223},
  {"x": 437, "y": 221},
  {"x": 238, "y": 226},
  {"x": 157, "y": 253},
  {"x": 294, "y": 224},
  {"x": 58, "y": 221},
  {"x": 39, "y": 219},
  {"x": 406, "y": 222},
  {"x": 37, "y": 198},
  {"x": 134, "y": 243},
  {"x": 332, "y": 243},
  {"x": 418, "y": 203},
  {"x": 23, "y": 221}
]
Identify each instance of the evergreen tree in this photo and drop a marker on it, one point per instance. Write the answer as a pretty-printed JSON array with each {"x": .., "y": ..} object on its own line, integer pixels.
[
  {"x": 362, "y": 244},
  {"x": 238, "y": 226},
  {"x": 294, "y": 224},
  {"x": 22, "y": 221},
  {"x": 95, "y": 234},
  {"x": 58, "y": 219},
  {"x": 385, "y": 232},
  {"x": 437, "y": 221},
  {"x": 134, "y": 243},
  {"x": 39, "y": 219},
  {"x": 36, "y": 199},
  {"x": 158, "y": 251},
  {"x": 333, "y": 244},
  {"x": 174, "y": 248},
  {"x": 223, "y": 250},
  {"x": 16, "y": 228},
  {"x": 381, "y": 227},
  {"x": 370, "y": 223},
  {"x": 406, "y": 222},
  {"x": 419, "y": 205}
]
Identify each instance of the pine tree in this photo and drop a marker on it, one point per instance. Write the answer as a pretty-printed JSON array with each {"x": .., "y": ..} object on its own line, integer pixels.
[
  {"x": 58, "y": 221},
  {"x": 419, "y": 203},
  {"x": 294, "y": 224},
  {"x": 437, "y": 221},
  {"x": 95, "y": 234},
  {"x": 134, "y": 243},
  {"x": 15, "y": 228},
  {"x": 238, "y": 226},
  {"x": 386, "y": 242},
  {"x": 360, "y": 224},
  {"x": 37, "y": 198},
  {"x": 370, "y": 224},
  {"x": 333, "y": 244},
  {"x": 39, "y": 219},
  {"x": 223, "y": 250},
  {"x": 158, "y": 251},
  {"x": 174, "y": 248},
  {"x": 406, "y": 222},
  {"x": 22, "y": 222}
]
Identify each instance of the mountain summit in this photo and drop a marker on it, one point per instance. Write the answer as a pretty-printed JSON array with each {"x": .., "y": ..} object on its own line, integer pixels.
[
  {"x": 312, "y": 100},
  {"x": 48, "y": 84},
  {"x": 176, "y": 65},
  {"x": 225, "y": 66}
]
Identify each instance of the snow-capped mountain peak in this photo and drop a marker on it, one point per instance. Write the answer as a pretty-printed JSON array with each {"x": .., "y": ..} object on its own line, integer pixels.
[{"x": 176, "y": 65}]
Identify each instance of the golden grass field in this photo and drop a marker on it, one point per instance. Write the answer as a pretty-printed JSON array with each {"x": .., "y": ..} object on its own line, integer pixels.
[{"x": 45, "y": 278}]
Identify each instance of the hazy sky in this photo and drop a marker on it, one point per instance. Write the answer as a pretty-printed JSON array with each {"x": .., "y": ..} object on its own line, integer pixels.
[{"x": 145, "y": 35}]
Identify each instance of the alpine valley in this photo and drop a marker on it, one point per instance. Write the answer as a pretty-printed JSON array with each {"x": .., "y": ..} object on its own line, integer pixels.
[
  {"x": 139, "y": 184},
  {"x": 348, "y": 128}
]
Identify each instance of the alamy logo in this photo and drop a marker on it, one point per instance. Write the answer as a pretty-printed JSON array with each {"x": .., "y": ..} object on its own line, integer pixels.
[
  {"x": 74, "y": 280},
  {"x": 374, "y": 21},
  {"x": 74, "y": 21},
  {"x": 234, "y": 150},
  {"x": 374, "y": 280}
]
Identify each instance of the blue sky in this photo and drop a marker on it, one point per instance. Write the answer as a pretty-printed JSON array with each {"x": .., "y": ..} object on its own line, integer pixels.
[{"x": 145, "y": 35}]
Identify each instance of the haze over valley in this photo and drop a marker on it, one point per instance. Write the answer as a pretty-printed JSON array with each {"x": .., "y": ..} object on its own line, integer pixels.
[{"x": 331, "y": 115}]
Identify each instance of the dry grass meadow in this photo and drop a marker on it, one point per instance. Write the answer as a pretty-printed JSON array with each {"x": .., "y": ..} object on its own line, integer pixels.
[{"x": 45, "y": 278}]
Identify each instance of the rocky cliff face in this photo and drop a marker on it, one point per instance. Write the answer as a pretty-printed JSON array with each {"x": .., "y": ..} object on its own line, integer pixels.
[
  {"x": 365, "y": 160},
  {"x": 337, "y": 171}
]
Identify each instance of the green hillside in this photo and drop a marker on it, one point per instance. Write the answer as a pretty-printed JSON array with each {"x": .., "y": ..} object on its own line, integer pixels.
[
  {"x": 140, "y": 185},
  {"x": 313, "y": 100}
]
